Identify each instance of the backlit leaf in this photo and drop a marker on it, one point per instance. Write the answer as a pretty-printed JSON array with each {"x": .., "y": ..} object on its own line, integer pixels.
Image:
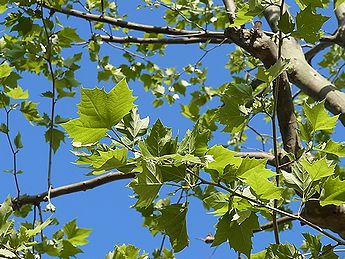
[{"x": 99, "y": 111}]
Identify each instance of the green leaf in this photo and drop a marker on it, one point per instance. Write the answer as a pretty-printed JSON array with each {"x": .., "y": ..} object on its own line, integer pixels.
[
  {"x": 57, "y": 136},
  {"x": 318, "y": 169},
  {"x": 319, "y": 118},
  {"x": 76, "y": 235},
  {"x": 132, "y": 126},
  {"x": 275, "y": 251},
  {"x": 230, "y": 113},
  {"x": 102, "y": 161},
  {"x": 3, "y": 128},
  {"x": 262, "y": 187},
  {"x": 333, "y": 192},
  {"x": 299, "y": 180},
  {"x": 5, "y": 212},
  {"x": 69, "y": 250},
  {"x": 259, "y": 255},
  {"x": 147, "y": 184},
  {"x": 33, "y": 232},
  {"x": 67, "y": 36},
  {"x": 285, "y": 24},
  {"x": 313, "y": 3},
  {"x": 18, "y": 141},
  {"x": 246, "y": 13},
  {"x": 312, "y": 243},
  {"x": 309, "y": 24},
  {"x": 99, "y": 112},
  {"x": 251, "y": 166},
  {"x": 219, "y": 202},
  {"x": 126, "y": 252},
  {"x": 238, "y": 235},
  {"x": 160, "y": 142},
  {"x": 173, "y": 223},
  {"x": 18, "y": 93},
  {"x": 268, "y": 75},
  {"x": 332, "y": 147},
  {"x": 5, "y": 70},
  {"x": 30, "y": 112},
  {"x": 195, "y": 142},
  {"x": 222, "y": 157}
]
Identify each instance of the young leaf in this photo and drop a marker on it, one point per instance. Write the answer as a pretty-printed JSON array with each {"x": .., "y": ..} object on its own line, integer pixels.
[
  {"x": 102, "y": 161},
  {"x": 262, "y": 187},
  {"x": 268, "y": 75},
  {"x": 319, "y": 118},
  {"x": 219, "y": 202},
  {"x": 57, "y": 136},
  {"x": 283, "y": 251},
  {"x": 309, "y": 24},
  {"x": 222, "y": 157},
  {"x": 285, "y": 24},
  {"x": 29, "y": 111},
  {"x": 76, "y": 235},
  {"x": 5, "y": 70},
  {"x": 318, "y": 169},
  {"x": 18, "y": 141},
  {"x": 132, "y": 126},
  {"x": 333, "y": 192},
  {"x": 195, "y": 142},
  {"x": 160, "y": 142},
  {"x": 333, "y": 147},
  {"x": 99, "y": 112},
  {"x": 147, "y": 184},
  {"x": 238, "y": 235},
  {"x": 126, "y": 251},
  {"x": 33, "y": 232},
  {"x": 230, "y": 113},
  {"x": 18, "y": 93},
  {"x": 173, "y": 223},
  {"x": 67, "y": 36}
]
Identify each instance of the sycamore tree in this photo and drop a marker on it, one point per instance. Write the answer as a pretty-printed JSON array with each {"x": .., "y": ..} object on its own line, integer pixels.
[{"x": 286, "y": 61}]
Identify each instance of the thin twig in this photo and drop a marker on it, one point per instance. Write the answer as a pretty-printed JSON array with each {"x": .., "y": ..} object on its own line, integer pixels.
[
  {"x": 133, "y": 25},
  {"x": 53, "y": 102}
]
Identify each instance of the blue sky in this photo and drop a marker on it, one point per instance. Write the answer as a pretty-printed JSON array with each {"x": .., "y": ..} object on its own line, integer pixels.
[{"x": 106, "y": 209}]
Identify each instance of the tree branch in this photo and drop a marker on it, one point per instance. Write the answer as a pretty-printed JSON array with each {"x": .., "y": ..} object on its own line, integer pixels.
[
  {"x": 311, "y": 53},
  {"x": 230, "y": 8},
  {"x": 183, "y": 40},
  {"x": 135, "y": 26},
  {"x": 71, "y": 188},
  {"x": 104, "y": 179},
  {"x": 280, "y": 221}
]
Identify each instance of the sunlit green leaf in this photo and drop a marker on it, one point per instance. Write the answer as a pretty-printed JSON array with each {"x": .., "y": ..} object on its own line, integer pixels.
[
  {"x": 99, "y": 112},
  {"x": 318, "y": 169},
  {"x": 18, "y": 93},
  {"x": 333, "y": 192},
  {"x": 76, "y": 235},
  {"x": 319, "y": 118},
  {"x": 332, "y": 147}
]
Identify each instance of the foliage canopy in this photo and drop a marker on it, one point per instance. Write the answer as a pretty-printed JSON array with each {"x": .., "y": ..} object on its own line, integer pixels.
[{"x": 286, "y": 72}]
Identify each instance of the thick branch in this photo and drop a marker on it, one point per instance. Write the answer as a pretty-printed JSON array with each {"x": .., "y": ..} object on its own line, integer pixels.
[
  {"x": 182, "y": 40},
  {"x": 311, "y": 53},
  {"x": 230, "y": 8},
  {"x": 75, "y": 187},
  {"x": 135, "y": 26}
]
